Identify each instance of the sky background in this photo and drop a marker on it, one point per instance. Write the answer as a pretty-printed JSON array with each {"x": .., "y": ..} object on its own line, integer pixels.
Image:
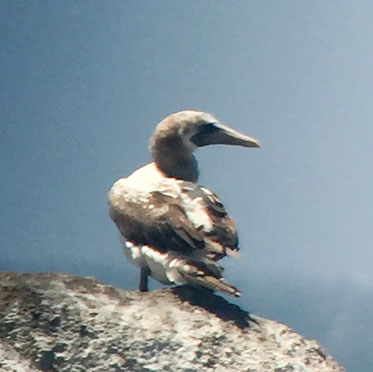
[{"x": 83, "y": 85}]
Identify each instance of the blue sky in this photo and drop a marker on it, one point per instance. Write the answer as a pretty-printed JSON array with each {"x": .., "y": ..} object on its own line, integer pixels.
[{"x": 84, "y": 83}]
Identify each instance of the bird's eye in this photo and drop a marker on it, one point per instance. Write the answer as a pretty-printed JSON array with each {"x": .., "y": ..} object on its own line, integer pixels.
[
  {"x": 205, "y": 134},
  {"x": 208, "y": 128}
]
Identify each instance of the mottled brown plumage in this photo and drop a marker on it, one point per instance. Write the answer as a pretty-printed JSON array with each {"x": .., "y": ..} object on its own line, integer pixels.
[{"x": 174, "y": 229}]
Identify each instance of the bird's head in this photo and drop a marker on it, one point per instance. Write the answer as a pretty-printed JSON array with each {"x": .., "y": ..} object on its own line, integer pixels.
[
  {"x": 179, "y": 135},
  {"x": 192, "y": 129}
]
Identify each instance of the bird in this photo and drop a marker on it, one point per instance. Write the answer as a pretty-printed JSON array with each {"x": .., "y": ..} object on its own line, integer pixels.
[{"x": 174, "y": 229}]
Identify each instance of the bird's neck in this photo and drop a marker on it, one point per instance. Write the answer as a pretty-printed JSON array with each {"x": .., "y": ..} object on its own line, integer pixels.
[
  {"x": 175, "y": 160},
  {"x": 181, "y": 166},
  {"x": 174, "y": 157}
]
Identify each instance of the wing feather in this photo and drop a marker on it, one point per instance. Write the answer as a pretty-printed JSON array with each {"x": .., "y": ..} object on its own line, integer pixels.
[{"x": 192, "y": 219}]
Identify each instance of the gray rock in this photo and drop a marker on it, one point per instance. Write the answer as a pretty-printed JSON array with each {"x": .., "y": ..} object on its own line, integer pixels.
[{"x": 58, "y": 322}]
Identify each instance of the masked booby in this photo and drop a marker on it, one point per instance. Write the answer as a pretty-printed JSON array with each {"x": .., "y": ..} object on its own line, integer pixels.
[{"x": 174, "y": 229}]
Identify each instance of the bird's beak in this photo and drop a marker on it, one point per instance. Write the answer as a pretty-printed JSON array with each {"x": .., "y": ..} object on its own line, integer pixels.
[
  {"x": 229, "y": 136},
  {"x": 221, "y": 134}
]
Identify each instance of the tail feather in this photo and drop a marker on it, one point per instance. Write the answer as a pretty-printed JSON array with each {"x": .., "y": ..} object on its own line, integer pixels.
[
  {"x": 213, "y": 283},
  {"x": 200, "y": 274}
]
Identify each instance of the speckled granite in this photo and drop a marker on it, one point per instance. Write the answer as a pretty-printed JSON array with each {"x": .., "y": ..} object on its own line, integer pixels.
[{"x": 58, "y": 322}]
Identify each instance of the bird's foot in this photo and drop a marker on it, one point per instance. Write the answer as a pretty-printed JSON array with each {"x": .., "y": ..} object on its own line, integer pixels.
[{"x": 144, "y": 273}]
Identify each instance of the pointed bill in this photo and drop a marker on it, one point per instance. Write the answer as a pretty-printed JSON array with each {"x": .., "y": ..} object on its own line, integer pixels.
[
  {"x": 220, "y": 134},
  {"x": 228, "y": 136}
]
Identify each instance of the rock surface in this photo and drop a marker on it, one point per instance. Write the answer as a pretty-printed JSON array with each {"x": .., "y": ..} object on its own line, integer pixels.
[{"x": 58, "y": 322}]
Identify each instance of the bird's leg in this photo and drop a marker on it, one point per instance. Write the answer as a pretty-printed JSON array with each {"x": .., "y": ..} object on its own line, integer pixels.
[{"x": 144, "y": 272}]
